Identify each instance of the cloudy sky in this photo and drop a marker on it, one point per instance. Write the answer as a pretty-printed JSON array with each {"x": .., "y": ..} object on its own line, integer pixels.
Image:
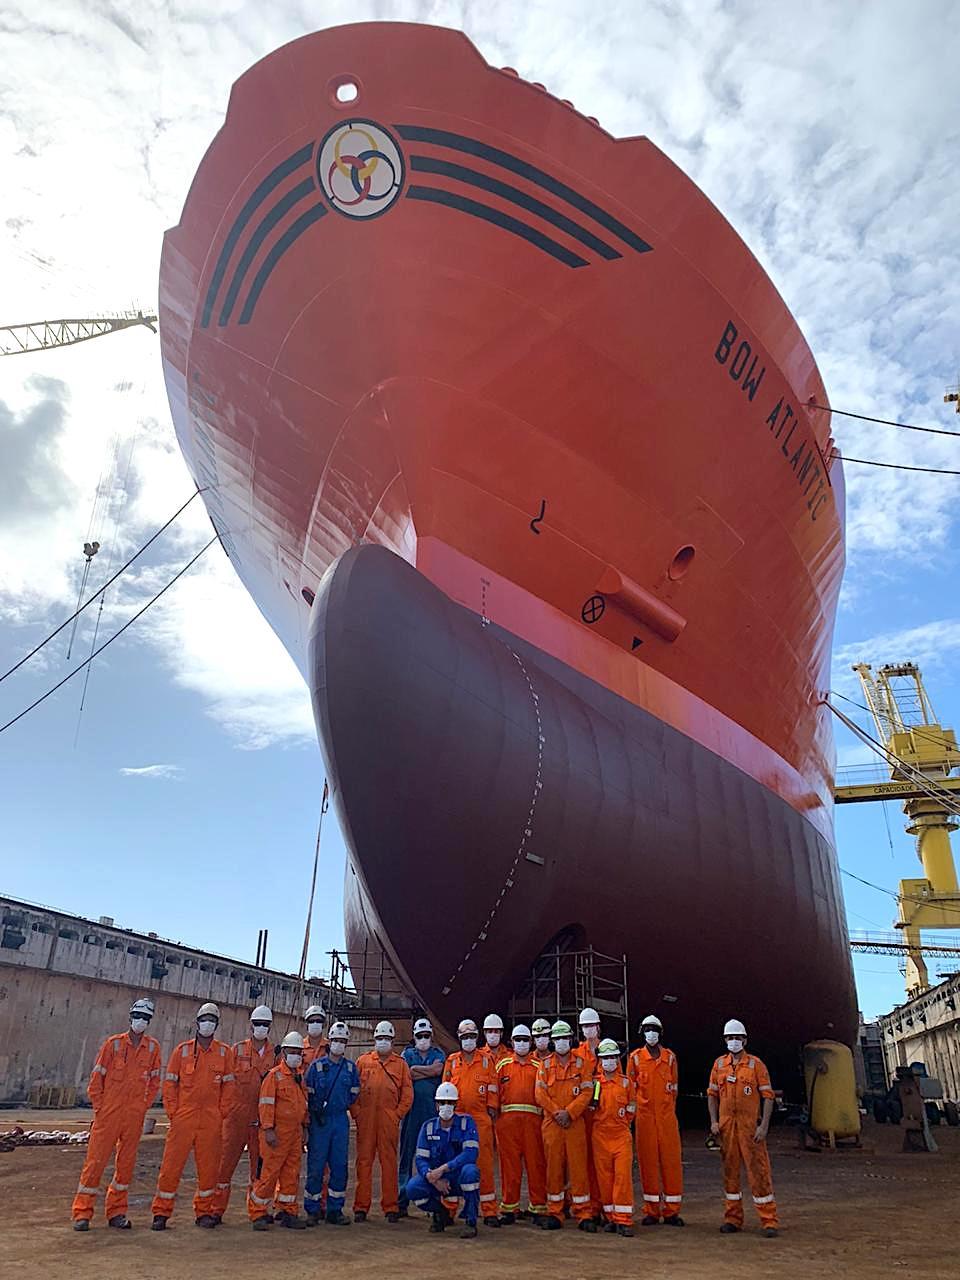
[{"x": 185, "y": 799}]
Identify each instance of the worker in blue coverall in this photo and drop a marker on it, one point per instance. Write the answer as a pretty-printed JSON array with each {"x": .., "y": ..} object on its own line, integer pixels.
[
  {"x": 425, "y": 1061},
  {"x": 333, "y": 1085},
  {"x": 446, "y": 1156}
]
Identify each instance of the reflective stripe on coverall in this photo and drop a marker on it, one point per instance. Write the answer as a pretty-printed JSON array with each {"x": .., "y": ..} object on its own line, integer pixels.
[
  {"x": 520, "y": 1135},
  {"x": 386, "y": 1095},
  {"x": 613, "y": 1145},
  {"x": 197, "y": 1095},
  {"x": 124, "y": 1082},
  {"x": 740, "y": 1087},
  {"x": 476, "y": 1082},
  {"x": 423, "y": 1109},
  {"x": 566, "y": 1087},
  {"x": 332, "y": 1086},
  {"x": 283, "y": 1108},
  {"x": 586, "y": 1051},
  {"x": 658, "y": 1134},
  {"x": 457, "y": 1148},
  {"x": 252, "y": 1060}
]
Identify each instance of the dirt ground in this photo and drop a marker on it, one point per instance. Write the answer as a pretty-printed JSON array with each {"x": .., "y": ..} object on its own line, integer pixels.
[{"x": 857, "y": 1214}]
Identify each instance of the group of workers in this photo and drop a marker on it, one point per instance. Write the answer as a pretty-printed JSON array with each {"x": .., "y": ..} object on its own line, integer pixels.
[{"x": 567, "y": 1114}]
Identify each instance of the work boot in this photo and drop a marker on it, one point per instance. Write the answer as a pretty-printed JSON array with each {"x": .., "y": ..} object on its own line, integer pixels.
[
  {"x": 313, "y": 1219},
  {"x": 261, "y": 1224},
  {"x": 120, "y": 1221},
  {"x": 81, "y": 1224},
  {"x": 207, "y": 1220},
  {"x": 470, "y": 1230},
  {"x": 217, "y": 1219},
  {"x": 650, "y": 1221},
  {"x": 674, "y": 1221},
  {"x": 491, "y": 1222},
  {"x": 610, "y": 1228},
  {"x": 360, "y": 1216},
  {"x": 159, "y": 1222},
  {"x": 403, "y": 1212},
  {"x": 550, "y": 1223},
  {"x": 294, "y": 1222},
  {"x": 770, "y": 1232},
  {"x": 728, "y": 1229},
  {"x": 392, "y": 1217},
  {"x": 337, "y": 1219},
  {"x": 623, "y": 1229},
  {"x": 439, "y": 1223},
  {"x": 507, "y": 1219},
  {"x": 587, "y": 1224}
]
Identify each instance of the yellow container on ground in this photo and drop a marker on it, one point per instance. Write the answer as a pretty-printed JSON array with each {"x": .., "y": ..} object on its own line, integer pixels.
[{"x": 831, "y": 1088}]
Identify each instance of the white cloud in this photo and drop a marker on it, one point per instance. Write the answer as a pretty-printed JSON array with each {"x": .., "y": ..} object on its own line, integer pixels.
[
  {"x": 165, "y": 771},
  {"x": 931, "y": 645}
]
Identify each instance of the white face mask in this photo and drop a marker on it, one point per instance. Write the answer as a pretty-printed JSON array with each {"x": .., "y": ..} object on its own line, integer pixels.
[
  {"x": 493, "y": 1038},
  {"x": 260, "y": 1033},
  {"x": 315, "y": 1029},
  {"x": 337, "y": 1048},
  {"x": 651, "y": 1037},
  {"x": 591, "y": 1033},
  {"x": 383, "y": 1046},
  {"x": 542, "y": 1042},
  {"x": 139, "y": 1024},
  {"x": 521, "y": 1048},
  {"x": 609, "y": 1064},
  {"x": 207, "y": 1027},
  {"x": 735, "y": 1046},
  {"x": 469, "y": 1044},
  {"x": 293, "y": 1060},
  {"x": 446, "y": 1110},
  {"x": 562, "y": 1046}
]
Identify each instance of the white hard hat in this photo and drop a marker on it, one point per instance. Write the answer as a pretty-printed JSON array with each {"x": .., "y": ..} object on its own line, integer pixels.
[
  {"x": 292, "y": 1040},
  {"x": 608, "y": 1049},
  {"x": 520, "y": 1030},
  {"x": 339, "y": 1031},
  {"x": 541, "y": 1027},
  {"x": 493, "y": 1022},
  {"x": 734, "y": 1028},
  {"x": 384, "y": 1029},
  {"x": 142, "y": 1008},
  {"x": 588, "y": 1017},
  {"x": 651, "y": 1020},
  {"x": 467, "y": 1028},
  {"x": 447, "y": 1092},
  {"x": 209, "y": 1010},
  {"x": 422, "y": 1026},
  {"x": 261, "y": 1014},
  {"x": 314, "y": 1014}
]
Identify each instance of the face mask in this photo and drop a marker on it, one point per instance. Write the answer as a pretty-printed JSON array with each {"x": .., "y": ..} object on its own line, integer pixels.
[
  {"x": 469, "y": 1044},
  {"x": 651, "y": 1037},
  {"x": 446, "y": 1110},
  {"x": 562, "y": 1046},
  {"x": 609, "y": 1064},
  {"x": 315, "y": 1028},
  {"x": 294, "y": 1060},
  {"x": 337, "y": 1048},
  {"x": 423, "y": 1043},
  {"x": 260, "y": 1033},
  {"x": 139, "y": 1024},
  {"x": 542, "y": 1043},
  {"x": 735, "y": 1046},
  {"x": 591, "y": 1033},
  {"x": 207, "y": 1027},
  {"x": 383, "y": 1047},
  {"x": 521, "y": 1048},
  {"x": 493, "y": 1038}
]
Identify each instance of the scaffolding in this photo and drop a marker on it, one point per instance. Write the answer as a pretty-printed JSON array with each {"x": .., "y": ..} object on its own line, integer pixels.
[
  {"x": 563, "y": 980},
  {"x": 364, "y": 986}
]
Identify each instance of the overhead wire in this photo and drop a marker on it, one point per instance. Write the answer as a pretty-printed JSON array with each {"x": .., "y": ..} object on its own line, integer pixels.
[
  {"x": 886, "y": 422},
  {"x": 897, "y": 466},
  {"x": 116, "y": 635}
]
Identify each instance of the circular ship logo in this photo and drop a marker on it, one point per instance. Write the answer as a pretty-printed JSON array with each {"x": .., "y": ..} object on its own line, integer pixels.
[{"x": 360, "y": 169}]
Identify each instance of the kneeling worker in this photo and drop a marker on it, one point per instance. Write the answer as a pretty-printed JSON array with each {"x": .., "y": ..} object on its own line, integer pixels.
[
  {"x": 446, "y": 1159},
  {"x": 283, "y": 1120}
]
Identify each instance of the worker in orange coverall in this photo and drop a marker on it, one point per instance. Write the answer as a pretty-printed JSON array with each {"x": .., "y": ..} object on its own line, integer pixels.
[
  {"x": 616, "y": 1103},
  {"x": 253, "y": 1058},
  {"x": 315, "y": 1043},
  {"x": 564, "y": 1091},
  {"x": 493, "y": 1038},
  {"x": 386, "y": 1095},
  {"x": 475, "y": 1075},
  {"x": 124, "y": 1082},
  {"x": 519, "y": 1135},
  {"x": 738, "y": 1083},
  {"x": 653, "y": 1069},
  {"x": 282, "y": 1113},
  {"x": 197, "y": 1095},
  {"x": 587, "y": 1048}
]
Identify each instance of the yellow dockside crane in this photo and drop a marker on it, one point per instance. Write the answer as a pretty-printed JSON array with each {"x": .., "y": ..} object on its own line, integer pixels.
[{"x": 921, "y": 755}]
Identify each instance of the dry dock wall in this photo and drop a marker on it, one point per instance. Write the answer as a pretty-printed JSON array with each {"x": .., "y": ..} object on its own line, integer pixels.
[{"x": 66, "y": 983}]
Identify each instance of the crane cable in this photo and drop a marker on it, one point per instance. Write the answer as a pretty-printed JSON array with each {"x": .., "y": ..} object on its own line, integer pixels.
[
  {"x": 302, "y": 974},
  {"x": 116, "y": 635},
  {"x": 123, "y": 568},
  {"x": 897, "y": 466},
  {"x": 885, "y": 422}
]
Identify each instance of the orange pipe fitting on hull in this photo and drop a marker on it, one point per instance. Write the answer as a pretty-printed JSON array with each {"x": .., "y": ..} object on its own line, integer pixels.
[{"x": 641, "y": 604}]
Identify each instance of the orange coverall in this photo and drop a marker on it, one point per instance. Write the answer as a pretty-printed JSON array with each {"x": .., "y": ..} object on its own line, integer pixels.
[
  {"x": 585, "y": 1049},
  {"x": 519, "y": 1135},
  {"x": 253, "y": 1059},
  {"x": 740, "y": 1086},
  {"x": 386, "y": 1095},
  {"x": 311, "y": 1051},
  {"x": 566, "y": 1087},
  {"x": 613, "y": 1145},
  {"x": 476, "y": 1082},
  {"x": 124, "y": 1082},
  {"x": 658, "y": 1134},
  {"x": 197, "y": 1095},
  {"x": 283, "y": 1108}
]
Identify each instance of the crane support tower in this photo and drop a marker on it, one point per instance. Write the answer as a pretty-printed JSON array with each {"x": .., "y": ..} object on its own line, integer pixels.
[
  {"x": 42, "y": 335},
  {"x": 922, "y": 755}
]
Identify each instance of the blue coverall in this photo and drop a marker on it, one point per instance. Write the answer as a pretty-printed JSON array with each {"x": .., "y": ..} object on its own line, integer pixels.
[
  {"x": 421, "y": 1111},
  {"x": 333, "y": 1085},
  {"x": 457, "y": 1147}
]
